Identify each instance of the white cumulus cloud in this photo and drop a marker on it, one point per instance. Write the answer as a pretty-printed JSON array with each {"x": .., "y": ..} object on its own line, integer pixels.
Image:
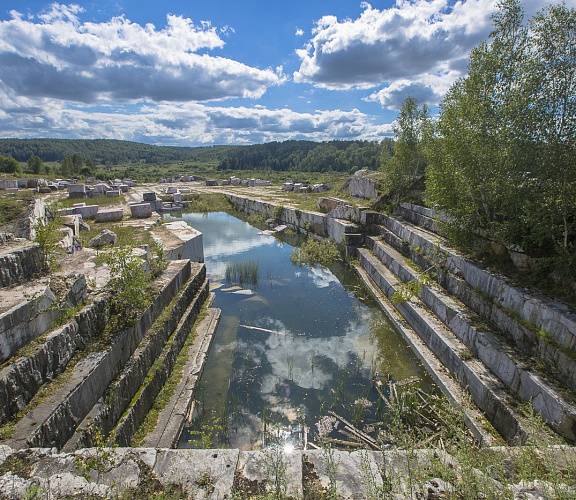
[
  {"x": 186, "y": 123},
  {"x": 415, "y": 47},
  {"x": 58, "y": 56},
  {"x": 410, "y": 45}
]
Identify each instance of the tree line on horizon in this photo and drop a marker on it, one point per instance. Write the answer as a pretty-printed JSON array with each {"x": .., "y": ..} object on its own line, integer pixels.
[
  {"x": 104, "y": 151},
  {"x": 307, "y": 156},
  {"x": 292, "y": 155}
]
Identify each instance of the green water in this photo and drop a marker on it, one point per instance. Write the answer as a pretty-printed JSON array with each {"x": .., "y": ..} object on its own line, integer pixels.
[{"x": 295, "y": 344}]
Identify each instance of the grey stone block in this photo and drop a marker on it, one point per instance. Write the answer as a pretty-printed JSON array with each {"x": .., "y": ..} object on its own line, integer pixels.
[
  {"x": 141, "y": 210},
  {"x": 110, "y": 215}
]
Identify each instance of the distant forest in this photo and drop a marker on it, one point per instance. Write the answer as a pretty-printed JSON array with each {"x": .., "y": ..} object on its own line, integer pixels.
[
  {"x": 106, "y": 151},
  {"x": 308, "y": 156}
]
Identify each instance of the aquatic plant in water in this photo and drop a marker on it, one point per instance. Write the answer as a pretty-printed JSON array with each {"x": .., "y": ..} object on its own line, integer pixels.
[
  {"x": 243, "y": 272},
  {"x": 313, "y": 252}
]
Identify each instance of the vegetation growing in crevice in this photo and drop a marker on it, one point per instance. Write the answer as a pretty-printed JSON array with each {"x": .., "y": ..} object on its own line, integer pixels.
[
  {"x": 129, "y": 285},
  {"x": 169, "y": 386},
  {"x": 47, "y": 235}
]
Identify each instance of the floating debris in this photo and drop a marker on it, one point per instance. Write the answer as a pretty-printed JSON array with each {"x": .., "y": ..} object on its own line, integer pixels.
[{"x": 263, "y": 329}]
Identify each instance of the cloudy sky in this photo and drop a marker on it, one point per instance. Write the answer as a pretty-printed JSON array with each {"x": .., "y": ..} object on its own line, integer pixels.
[{"x": 190, "y": 72}]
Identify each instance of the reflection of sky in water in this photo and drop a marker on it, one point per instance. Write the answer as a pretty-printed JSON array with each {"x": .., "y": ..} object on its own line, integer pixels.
[
  {"x": 321, "y": 277},
  {"x": 309, "y": 333}
]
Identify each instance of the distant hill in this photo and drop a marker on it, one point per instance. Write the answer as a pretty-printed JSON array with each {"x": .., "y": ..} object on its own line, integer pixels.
[
  {"x": 309, "y": 156},
  {"x": 106, "y": 151}
]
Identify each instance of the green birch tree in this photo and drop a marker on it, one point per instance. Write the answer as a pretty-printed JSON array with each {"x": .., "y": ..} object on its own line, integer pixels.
[{"x": 408, "y": 161}]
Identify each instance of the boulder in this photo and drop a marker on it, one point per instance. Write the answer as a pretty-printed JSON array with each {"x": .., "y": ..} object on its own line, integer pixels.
[
  {"x": 326, "y": 204},
  {"x": 106, "y": 237},
  {"x": 361, "y": 187}
]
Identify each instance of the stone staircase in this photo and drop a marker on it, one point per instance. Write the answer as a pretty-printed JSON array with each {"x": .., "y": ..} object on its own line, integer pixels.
[
  {"x": 64, "y": 375},
  {"x": 498, "y": 341}
]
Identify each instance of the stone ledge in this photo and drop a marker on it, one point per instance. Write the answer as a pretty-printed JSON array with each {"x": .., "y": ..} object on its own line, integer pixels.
[
  {"x": 105, "y": 414},
  {"x": 552, "y": 317},
  {"x": 172, "y": 418},
  {"x": 218, "y": 474},
  {"x": 526, "y": 384},
  {"x": 486, "y": 391},
  {"x": 52, "y": 425}
]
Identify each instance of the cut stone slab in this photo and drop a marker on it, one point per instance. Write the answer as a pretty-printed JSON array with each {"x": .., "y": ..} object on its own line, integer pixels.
[
  {"x": 87, "y": 211},
  {"x": 350, "y": 482},
  {"x": 188, "y": 467},
  {"x": 141, "y": 210},
  {"x": 181, "y": 241},
  {"x": 252, "y": 466},
  {"x": 110, "y": 215}
]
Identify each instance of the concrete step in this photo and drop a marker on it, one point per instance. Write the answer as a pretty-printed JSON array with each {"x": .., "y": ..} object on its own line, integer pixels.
[
  {"x": 552, "y": 317},
  {"x": 53, "y": 421},
  {"x": 528, "y": 385},
  {"x": 178, "y": 410},
  {"x": 159, "y": 373},
  {"x": 486, "y": 391},
  {"x": 558, "y": 363},
  {"x": 106, "y": 412}
]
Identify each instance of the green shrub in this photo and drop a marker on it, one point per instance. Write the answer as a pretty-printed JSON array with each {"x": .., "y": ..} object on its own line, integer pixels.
[{"x": 314, "y": 252}]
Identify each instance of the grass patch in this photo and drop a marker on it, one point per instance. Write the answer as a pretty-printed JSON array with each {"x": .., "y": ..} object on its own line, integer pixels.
[
  {"x": 13, "y": 204},
  {"x": 128, "y": 235},
  {"x": 207, "y": 202},
  {"x": 101, "y": 201}
]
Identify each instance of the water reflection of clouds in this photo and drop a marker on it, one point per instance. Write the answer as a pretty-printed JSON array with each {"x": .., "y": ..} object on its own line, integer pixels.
[
  {"x": 230, "y": 246},
  {"x": 288, "y": 355},
  {"x": 322, "y": 277}
]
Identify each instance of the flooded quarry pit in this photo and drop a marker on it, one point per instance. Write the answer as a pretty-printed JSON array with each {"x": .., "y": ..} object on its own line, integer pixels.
[{"x": 294, "y": 343}]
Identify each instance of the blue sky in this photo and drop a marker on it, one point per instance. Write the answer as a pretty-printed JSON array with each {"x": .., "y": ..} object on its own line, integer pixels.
[{"x": 192, "y": 73}]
